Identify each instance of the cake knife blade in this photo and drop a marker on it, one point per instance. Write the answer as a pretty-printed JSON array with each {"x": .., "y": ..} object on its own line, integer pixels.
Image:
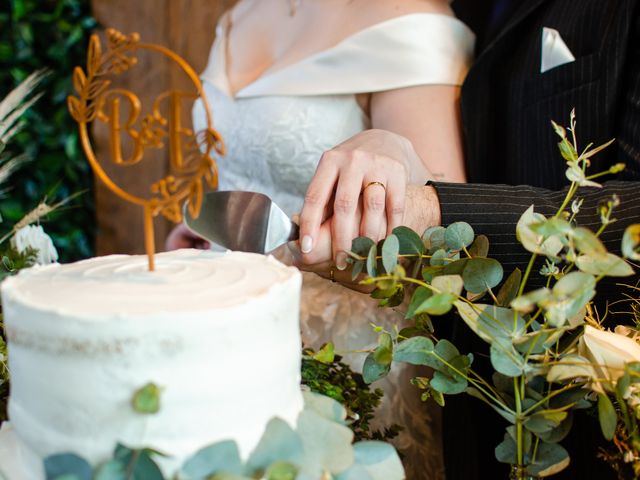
[{"x": 242, "y": 221}]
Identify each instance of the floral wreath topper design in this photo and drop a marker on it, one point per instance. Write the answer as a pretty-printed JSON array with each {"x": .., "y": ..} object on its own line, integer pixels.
[{"x": 191, "y": 162}]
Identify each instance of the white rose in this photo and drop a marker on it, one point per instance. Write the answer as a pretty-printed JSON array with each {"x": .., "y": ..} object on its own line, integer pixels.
[
  {"x": 609, "y": 352},
  {"x": 34, "y": 236}
]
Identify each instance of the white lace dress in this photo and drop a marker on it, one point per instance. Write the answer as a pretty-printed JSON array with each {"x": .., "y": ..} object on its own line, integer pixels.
[{"x": 275, "y": 131}]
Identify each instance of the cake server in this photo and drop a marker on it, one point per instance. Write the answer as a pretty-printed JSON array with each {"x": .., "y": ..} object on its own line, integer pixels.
[{"x": 243, "y": 221}]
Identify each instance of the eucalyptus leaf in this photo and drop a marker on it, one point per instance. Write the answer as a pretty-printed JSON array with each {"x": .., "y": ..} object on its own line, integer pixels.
[
  {"x": 416, "y": 351},
  {"x": 281, "y": 471},
  {"x": 530, "y": 300},
  {"x": 326, "y": 444},
  {"x": 588, "y": 243},
  {"x": 631, "y": 242},
  {"x": 481, "y": 274},
  {"x": 433, "y": 238},
  {"x": 428, "y": 273},
  {"x": 410, "y": 241},
  {"x": 437, "y": 304},
  {"x": 479, "y": 247},
  {"x": 372, "y": 370},
  {"x": 607, "y": 416},
  {"x": 507, "y": 451},
  {"x": 361, "y": 246},
  {"x": 506, "y": 360},
  {"x": 355, "y": 472},
  {"x": 527, "y": 438},
  {"x": 567, "y": 150},
  {"x": 570, "y": 397},
  {"x": 529, "y": 239},
  {"x": 570, "y": 295},
  {"x": 447, "y": 385},
  {"x": 383, "y": 354},
  {"x": 326, "y": 354},
  {"x": 544, "y": 421},
  {"x": 420, "y": 295},
  {"x": 458, "y": 235},
  {"x": 611, "y": 265},
  {"x": 571, "y": 366},
  {"x": 357, "y": 269},
  {"x": 560, "y": 432},
  {"x": 147, "y": 399},
  {"x": 456, "y": 267},
  {"x": 139, "y": 462},
  {"x": 509, "y": 289},
  {"x": 111, "y": 470},
  {"x": 448, "y": 284},
  {"x": 490, "y": 322},
  {"x": 219, "y": 457},
  {"x": 390, "y": 251},
  {"x": 325, "y": 406},
  {"x": 438, "y": 258},
  {"x": 69, "y": 465},
  {"x": 551, "y": 458},
  {"x": 372, "y": 262},
  {"x": 279, "y": 442},
  {"x": 551, "y": 226},
  {"x": 395, "y": 299},
  {"x": 446, "y": 350},
  {"x": 378, "y": 460},
  {"x": 533, "y": 342}
]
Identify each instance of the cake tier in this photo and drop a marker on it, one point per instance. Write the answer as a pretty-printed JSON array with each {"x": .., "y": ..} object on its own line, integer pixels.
[{"x": 218, "y": 333}]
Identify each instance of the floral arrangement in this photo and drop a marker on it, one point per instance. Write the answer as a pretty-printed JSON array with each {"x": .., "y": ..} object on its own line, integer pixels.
[
  {"x": 547, "y": 360},
  {"x": 25, "y": 244},
  {"x": 319, "y": 448}
]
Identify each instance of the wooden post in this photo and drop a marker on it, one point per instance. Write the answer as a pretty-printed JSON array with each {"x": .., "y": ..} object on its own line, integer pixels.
[{"x": 186, "y": 27}]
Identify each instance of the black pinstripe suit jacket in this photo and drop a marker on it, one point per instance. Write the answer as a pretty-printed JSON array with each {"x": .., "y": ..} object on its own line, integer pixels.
[
  {"x": 507, "y": 106},
  {"x": 513, "y": 162}
]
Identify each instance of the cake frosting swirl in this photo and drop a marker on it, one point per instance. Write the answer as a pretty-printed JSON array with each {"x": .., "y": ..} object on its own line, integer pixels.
[{"x": 218, "y": 333}]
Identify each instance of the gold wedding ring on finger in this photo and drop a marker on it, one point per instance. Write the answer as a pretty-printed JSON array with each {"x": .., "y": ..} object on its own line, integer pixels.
[{"x": 370, "y": 184}]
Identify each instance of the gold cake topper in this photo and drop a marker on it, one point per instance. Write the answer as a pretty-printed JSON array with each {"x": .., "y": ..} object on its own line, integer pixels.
[{"x": 191, "y": 162}]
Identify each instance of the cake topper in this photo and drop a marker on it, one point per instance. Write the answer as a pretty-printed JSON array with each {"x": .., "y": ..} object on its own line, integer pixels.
[{"x": 190, "y": 153}]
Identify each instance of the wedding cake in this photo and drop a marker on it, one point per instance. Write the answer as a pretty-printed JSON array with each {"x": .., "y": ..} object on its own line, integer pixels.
[{"x": 217, "y": 333}]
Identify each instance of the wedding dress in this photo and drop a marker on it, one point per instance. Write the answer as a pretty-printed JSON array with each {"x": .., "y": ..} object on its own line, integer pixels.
[{"x": 275, "y": 131}]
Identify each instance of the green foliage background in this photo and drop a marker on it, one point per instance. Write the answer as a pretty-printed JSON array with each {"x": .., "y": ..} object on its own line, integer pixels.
[{"x": 50, "y": 34}]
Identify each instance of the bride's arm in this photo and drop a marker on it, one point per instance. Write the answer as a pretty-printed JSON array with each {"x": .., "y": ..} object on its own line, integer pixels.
[{"x": 416, "y": 130}]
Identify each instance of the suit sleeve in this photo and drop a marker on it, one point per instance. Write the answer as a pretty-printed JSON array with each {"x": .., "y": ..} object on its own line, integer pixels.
[{"x": 494, "y": 210}]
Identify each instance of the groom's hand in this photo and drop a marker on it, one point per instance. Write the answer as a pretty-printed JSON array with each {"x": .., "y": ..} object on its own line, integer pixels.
[
  {"x": 360, "y": 185},
  {"x": 422, "y": 210}
]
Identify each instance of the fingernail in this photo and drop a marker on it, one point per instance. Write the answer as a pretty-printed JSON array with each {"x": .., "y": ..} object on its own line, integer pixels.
[
  {"x": 307, "y": 244},
  {"x": 341, "y": 261}
]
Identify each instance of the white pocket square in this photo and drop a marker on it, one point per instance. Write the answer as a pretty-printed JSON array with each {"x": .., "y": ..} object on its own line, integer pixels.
[{"x": 554, "y": 51}]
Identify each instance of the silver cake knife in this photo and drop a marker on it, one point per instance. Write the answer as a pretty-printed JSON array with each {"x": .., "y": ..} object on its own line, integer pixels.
[{"x": 243, "y": 221}]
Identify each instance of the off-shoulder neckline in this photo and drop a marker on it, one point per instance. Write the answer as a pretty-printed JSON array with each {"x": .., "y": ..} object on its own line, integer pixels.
[{"x": 222, "y": 37}]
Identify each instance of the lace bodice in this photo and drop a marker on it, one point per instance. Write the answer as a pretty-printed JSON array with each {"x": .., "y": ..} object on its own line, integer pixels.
[{"x": 274, "y": 143}]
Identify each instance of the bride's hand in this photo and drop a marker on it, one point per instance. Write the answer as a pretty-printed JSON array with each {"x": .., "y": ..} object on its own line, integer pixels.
[{"x": 371, "y": 170}]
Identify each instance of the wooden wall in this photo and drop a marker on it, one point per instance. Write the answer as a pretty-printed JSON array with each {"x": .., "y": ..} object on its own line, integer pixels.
[{"x": 186, "y": 27}]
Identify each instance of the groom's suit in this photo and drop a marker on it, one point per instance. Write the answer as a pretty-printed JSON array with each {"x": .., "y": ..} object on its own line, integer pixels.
[{"x": 507, "y": 107}]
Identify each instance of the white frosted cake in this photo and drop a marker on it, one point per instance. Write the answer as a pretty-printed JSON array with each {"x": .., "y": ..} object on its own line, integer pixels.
[{"x": 218, "y": 333}]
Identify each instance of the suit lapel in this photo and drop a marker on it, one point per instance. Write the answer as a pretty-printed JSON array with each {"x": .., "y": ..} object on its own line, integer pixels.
[{"x": 521, "y": 13}]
